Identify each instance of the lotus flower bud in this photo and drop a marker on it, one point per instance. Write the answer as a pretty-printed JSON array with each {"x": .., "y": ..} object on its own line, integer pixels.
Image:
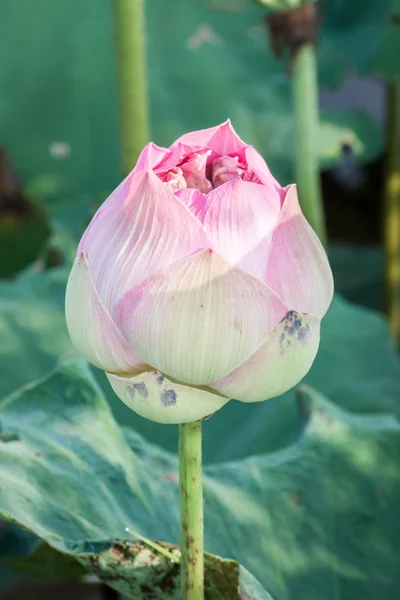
[{"x": 199, "y": 280}]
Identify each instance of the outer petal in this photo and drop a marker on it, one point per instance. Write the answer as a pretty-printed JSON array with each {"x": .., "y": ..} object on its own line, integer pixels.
[
  {"x": 278, "y": 364},
  {"x": 194, "y": 171},
  {"x": 92, "y": 330},
  {"x": 173, "y": 157},
  {"x": 223, "y": 139},
  {"x": 198, "y": 319},
  {"x": 150, "y": 157},
  {"x": 240, "y": 220},
  {"x": 257, "y": 164},
  {"x": 195, "y": 200},
  {"x": 298, "y": 268},
  {"x": 154, "y": 397},
  {"x": 145, "y": 228}
]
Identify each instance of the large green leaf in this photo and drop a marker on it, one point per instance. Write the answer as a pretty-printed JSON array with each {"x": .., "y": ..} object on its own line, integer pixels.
[
  {"x": 140, "y": 570},
  {"x": 118, "y": 490},
  {"x": 46, "y": 563},
  {"x": 314, "y": 520}
]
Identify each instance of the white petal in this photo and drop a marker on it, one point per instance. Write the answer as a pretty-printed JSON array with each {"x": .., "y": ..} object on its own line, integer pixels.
[
  {"x": 154, "y": 397},
  {"x": 92, "y": 330},
  {"x": 198, "y": 319},
  {"x": 280, "y": 362},
  {"x": 143, "y": 228},
  {"x": 298, "y": 268}
]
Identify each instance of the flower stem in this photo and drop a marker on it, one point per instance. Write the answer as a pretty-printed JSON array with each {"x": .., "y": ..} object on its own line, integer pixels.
[
  {"x": 305, "y": 98},
  {"x": 191, "y": 502},
  {"x": 392, "y": 210},
  {"x": 132, "y": 86}
]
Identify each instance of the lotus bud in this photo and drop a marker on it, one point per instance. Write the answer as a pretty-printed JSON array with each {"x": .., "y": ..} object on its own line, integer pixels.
[{"x": 199, "y": 280}]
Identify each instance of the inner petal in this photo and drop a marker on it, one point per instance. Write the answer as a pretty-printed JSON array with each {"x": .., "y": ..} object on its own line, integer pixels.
[
  {"x": 240, "y": 218},
  {"x": 174, "y": 179},
  {"x": 194, "y": 171},
  {"x": 226, "y": 168}
]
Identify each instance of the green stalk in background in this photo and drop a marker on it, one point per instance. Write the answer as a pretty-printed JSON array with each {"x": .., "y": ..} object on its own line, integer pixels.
[
  {"x": 305, "y": 100},
  {"x": 392, "y": 210},
  {"x": 293, "y": 28},
  {"x": 132, "y": 85},
  {"x": 191, "y": 501}
]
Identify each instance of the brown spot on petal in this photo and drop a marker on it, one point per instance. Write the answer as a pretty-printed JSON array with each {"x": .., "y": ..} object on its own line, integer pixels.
[{"x": 237, "y": 324}]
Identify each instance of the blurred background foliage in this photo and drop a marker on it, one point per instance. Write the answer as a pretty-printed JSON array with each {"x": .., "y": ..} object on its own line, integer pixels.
[
  {"x": 212, "y": 60},
  {"x": 209, "y": 60}
]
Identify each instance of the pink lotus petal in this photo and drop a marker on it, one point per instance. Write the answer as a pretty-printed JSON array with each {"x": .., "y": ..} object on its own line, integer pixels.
[
  {"x": 92, "y": 330},
  {"x": 194, "y": 171},
  {"x": 298, "y": 268},
  {"x": 154, "y": 397},
  {"x": 279, "y": 364},
  {"x": 142, "y": 229},
  {"x": 240, "y": 219},
  {"x": 258, "y": 166},
  {"x": 199, "y": 318},
  {"x": 226, "y": 168},
  {"x": 174, "y": 156},
  {"x": 223, "y": 139},
  {"x": 174, "y": 179},
  {"x": 194, "y": 200},
  {"x": 150, "y": 157}
]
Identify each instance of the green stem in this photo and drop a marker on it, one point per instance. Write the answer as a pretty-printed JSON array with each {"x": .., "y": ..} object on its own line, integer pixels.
[
  {"x": 132, "y": 86},
  {"x": 191, "y": 501},
  {"x": 392, "y": 210},
  {"x": 305, "y": 98}
]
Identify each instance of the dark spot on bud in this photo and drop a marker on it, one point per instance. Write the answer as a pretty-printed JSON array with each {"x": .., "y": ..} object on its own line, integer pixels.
[
  {"x": 294, "y": 327},
  {"x": 141, "y": 388},
  {"x": 160, "y": 378},
  {"x": 303, "y": 333},
  {"x": 168, "y": 397}
]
